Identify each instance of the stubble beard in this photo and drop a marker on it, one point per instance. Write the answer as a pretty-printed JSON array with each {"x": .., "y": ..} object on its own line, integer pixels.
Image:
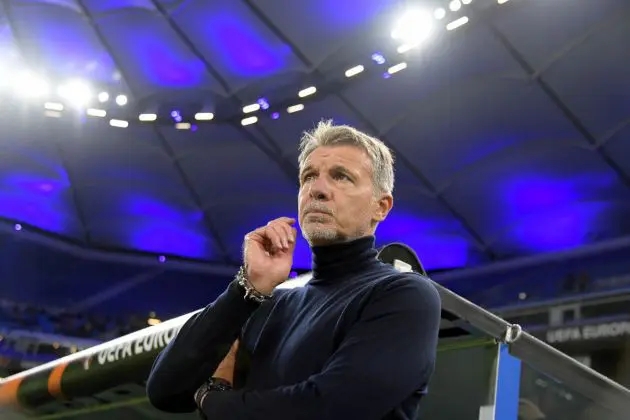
[
  {"x": 321, "y": 235},
  {"x": 316, "y": 232}
]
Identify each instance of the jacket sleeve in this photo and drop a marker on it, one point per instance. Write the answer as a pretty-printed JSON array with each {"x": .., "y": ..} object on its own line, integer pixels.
[
  {"x": 387, "y": 355},
  {"x": 195, "y": 353}
]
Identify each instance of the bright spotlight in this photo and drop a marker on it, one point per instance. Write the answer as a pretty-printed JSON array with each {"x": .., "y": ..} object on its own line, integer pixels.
[
  {"x": 119, "y": 123},
  {"x": 295, "y": 108},
  {"x": 413, "y": 27},
  {"x": 93, "y": 112},
  {"x": 103, "y": 97},
  {"x": 53, "y": 106},
  {"x": 121, "y": 100},
  {"x": 147, "y": 117},
  {"x": 29, "y": 84},
  {"x": 457, "y": 23},
  {"x": 455, "y": 5},
  {"x": 204, "y": 116},
  {"x": 439, "y": 13},
  {"x": 251, "y": 108},
  {"x": 249, "y": 120},
  {"x": 306, "y": 92},
  {"x": 397, "y": 68},
  {"x": 354, "y": 70},
  {"x": 76, "y": 92}
]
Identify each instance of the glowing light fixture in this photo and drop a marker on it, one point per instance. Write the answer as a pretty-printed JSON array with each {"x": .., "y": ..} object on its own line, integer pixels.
[
  {"x": 295, "y": 108},
  {"x": 249, "y": 121},
  {"x": 354, "y": 70},
  {"x": 307, "y": 92},
  {"x": 119, "y": 123}
]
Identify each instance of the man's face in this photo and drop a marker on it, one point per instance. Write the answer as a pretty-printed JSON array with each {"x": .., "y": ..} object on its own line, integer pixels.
[{"x": 337, "y": 200}]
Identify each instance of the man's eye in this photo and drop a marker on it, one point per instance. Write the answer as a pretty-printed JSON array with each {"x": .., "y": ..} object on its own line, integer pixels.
[{"x": 342, "y": 177}]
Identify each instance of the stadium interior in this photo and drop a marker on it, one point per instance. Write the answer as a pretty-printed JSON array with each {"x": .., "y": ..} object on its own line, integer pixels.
[{"x": 140, "y": 140}]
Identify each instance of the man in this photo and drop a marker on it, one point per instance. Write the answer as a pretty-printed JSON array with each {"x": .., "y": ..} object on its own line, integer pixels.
[{"x": 357, "y": 342}]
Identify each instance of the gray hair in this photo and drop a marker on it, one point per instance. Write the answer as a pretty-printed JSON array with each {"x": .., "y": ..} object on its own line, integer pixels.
[{"x": 328, "y": 134}]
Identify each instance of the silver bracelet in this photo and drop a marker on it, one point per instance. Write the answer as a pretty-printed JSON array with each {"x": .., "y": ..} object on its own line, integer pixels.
[{"x": 250, "y": 291}]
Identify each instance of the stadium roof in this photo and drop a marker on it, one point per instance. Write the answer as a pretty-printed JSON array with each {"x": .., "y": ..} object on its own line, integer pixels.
[{"x": 509, "y": 120}]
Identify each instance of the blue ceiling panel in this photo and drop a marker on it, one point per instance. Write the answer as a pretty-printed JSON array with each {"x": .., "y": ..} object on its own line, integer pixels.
[
  {"x": 559, "y": 25},
  {"x": 564, "y": 227},
  {"x": 153, "y": 58},
  {"x": 223, "y": 165},
  {"x": 9, "y": 51},
  {"x": 113, "y": 6},
  {"x": 510, "y": 132},
  {"x": 131, "y": 158},
  {"x": 35, "y": 186},
  {"x": 319, "y": 28},
  {"x": 288, "y": 129},
  {"x": 141, "y": 221},
  {"x": 47, "y": 32},
  {"x": 618, "y": 146},
  {"x": 475, "y": 134},
  {"x": 422, "y": 223},
  {"x": 436, "y": 71},
  {"x": 132, "y": 193},
  {"x": 247, "y": 50},
  {"x": 542, "y": 200},
  {"x": 593, "y": 78}
]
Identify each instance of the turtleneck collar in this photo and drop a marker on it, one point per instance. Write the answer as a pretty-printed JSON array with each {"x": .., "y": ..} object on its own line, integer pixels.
[{"x": 332, "y": 262}]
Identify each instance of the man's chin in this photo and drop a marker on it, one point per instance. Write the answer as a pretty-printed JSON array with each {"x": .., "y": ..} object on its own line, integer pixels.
[{"x": 317, "y": 237}]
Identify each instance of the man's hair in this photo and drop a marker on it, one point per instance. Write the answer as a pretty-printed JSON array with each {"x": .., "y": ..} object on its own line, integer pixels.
[{"x": 328, "y": 134}]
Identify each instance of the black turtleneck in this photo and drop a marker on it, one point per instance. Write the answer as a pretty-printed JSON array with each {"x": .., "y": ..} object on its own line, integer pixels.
[{"x": 358, "y": 341}]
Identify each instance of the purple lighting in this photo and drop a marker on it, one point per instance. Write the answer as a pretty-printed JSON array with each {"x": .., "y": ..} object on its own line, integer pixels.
[
  {"x": 162, "y": 258},
  {"x": 378, "y": 58},
  {"x": 263, "y": 103},
  {"x": 17, "y": 227},
  {"x": 275, "y": 115}
]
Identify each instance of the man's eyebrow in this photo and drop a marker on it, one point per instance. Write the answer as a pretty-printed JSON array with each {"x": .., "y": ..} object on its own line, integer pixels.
[
  {"x": 305, "y": 169},
  {"x": 341, "y": 168}
]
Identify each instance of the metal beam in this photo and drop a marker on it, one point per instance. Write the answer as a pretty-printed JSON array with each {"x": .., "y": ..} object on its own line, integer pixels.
[
  {"x": 79, "y": 250},
  {"x": 106, "y": 45},
  {"x": 209, "y": 222},
  {"x": 365, "y": 121},
  {"x": 164, "y": 143},
  {"x": 279, "y": 160},
  {"x": 80, "y": 213},
  {"x": 554, "y": 97}
]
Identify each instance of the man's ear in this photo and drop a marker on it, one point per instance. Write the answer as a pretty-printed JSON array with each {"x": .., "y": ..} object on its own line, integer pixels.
[{"x": 383, "y": 207}]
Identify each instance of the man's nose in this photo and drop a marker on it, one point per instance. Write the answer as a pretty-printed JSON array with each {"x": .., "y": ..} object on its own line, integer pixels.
[{"x": 320, "y": 189}]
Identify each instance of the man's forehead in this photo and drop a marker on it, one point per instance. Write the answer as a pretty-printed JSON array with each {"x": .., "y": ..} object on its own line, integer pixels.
[{"x": 338, "y": 155}]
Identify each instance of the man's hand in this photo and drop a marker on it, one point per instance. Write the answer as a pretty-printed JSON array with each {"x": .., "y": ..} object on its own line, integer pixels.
[
  {"x": 225, "y": 370},
  {"x": 268, "y": 254}
]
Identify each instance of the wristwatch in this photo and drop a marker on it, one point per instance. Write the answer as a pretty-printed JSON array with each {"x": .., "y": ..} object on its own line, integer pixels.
[{"x": 211, "y": 385}]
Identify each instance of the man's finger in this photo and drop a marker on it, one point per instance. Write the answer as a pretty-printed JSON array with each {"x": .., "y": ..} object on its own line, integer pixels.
[
  {"x": 289, "y": 220},
  {"x": 275, "y": 235}
]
